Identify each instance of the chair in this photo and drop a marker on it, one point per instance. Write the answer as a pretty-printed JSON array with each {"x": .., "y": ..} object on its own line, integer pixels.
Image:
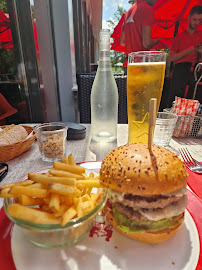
[
  {"x": 5, "y": 110},
  {"x": 121, "y": 82},
  {"x": 197, "y": 80},
  {"x": 85, "y": 82}
]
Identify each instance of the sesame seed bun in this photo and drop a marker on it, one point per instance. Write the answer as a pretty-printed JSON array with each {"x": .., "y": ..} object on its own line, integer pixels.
[
  {"x": 147, "y": 237},
  {"x": 133, "y": 169}
]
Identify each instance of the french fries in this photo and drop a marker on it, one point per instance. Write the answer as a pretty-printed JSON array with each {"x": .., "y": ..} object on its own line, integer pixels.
[
  {"x": 88, "y": 183},
  {"x": 71, "y": 160},
  {"x": 68, "y": 160},
  {"x": 61, "y": 211},
  {"x": 28, "y": 201},
  {"x": 64, "y": 159},
  {"x": 68, "y": 215},
  {"x": 44, "y": 179},
  {"x": 31, "y": 192},
  {"x": 31, "y": 214},
  {"x": 23, "y": 183},
  {"x": 54, "y": 203},
  {"x": 4, "y": 193},
  {"x": 63, "y": 193},
  {"x": 39, "y": 185},
  {"x": 65, "y": 174},
  {"x": 63, "y": 189},
  {"x": 68, "y": 167}
]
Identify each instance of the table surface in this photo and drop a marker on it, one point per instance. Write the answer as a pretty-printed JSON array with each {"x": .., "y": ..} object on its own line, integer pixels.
[{"x": 86, "y": 150}]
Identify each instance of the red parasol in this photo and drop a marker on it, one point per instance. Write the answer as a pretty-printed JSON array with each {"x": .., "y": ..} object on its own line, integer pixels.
[
  {"x": 6, "y": 41},
  {"x": 170, "y": 19},
  {"x": 4, "y": 21},
  {"x": 116, "y": 36},
  {"x": 5, "y": 33}
]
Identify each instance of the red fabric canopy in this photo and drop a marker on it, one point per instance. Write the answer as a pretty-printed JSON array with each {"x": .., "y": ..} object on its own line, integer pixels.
[
  {"x": 6, "y": 40},
  {"x": 116, "y": 36},
  {"x": 5, "y": 33},
  {"x": 167, "y": 13},
  {"x": 4, "y": 21}
]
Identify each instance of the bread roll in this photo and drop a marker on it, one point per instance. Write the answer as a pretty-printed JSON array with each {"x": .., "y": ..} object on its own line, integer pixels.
[{"x": 12, "y": 134}]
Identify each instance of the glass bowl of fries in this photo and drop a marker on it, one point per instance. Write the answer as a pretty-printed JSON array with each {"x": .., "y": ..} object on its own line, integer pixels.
[
  {"x": 37, "y": 218},
  {"x": 55, "y": 235}
]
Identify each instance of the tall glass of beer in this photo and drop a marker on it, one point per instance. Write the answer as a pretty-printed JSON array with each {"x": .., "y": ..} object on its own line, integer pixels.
[{"x": 145, "y": 78}]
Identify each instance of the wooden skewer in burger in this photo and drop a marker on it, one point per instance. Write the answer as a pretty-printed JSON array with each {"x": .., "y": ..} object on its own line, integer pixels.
[{"x": 147, "y": 189}]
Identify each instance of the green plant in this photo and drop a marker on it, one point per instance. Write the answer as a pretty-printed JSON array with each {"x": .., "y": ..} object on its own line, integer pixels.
[
  {"x": 3, "y": 6},
  {"x": 114, "y": 55},
  {"x": 7, "y": 61}
]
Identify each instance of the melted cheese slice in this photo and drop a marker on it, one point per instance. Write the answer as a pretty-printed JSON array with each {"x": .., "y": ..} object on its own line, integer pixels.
[
  {"x": 178, "y": 193},
  {"x": 173, "y": 209},
  {"x": 119, "y": 196}
]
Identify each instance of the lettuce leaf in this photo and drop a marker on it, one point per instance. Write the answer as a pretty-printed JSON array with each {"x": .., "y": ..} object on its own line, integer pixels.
[{"x": 128, "y": 225}]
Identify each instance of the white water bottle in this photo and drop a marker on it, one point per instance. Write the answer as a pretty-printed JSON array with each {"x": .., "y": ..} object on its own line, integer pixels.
[{"x": 104, "y": 96}]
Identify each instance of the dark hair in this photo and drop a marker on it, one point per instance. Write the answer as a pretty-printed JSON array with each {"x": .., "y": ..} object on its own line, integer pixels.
[{"x": 196, "y": 10}]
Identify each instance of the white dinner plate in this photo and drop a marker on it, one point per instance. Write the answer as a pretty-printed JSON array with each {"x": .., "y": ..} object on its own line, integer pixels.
[{"x": 120, "y": 252}]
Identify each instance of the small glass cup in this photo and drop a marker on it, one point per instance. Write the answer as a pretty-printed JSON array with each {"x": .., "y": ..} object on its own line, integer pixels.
[
  {"x": 165, "y": 124},
  {"x": 52, "y": 140}
]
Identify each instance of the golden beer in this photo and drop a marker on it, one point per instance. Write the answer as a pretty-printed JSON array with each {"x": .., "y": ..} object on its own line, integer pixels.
[{"x": 144, "y": 81}]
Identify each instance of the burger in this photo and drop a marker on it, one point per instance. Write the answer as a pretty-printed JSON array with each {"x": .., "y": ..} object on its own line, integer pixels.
[{"x": 147, "y": 191}]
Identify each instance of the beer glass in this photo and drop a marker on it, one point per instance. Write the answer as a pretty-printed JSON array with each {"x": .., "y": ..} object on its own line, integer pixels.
[{"x": 145, "y": 78}]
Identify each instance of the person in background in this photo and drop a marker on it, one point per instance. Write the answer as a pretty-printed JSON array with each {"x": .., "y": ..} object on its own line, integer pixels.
[
  {"x": 136, "y": 30},
  {"x": 185, "y": 53}
]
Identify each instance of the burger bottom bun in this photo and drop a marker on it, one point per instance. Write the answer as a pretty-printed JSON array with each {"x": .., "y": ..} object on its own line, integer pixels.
[{"x": 146, "y": 237}]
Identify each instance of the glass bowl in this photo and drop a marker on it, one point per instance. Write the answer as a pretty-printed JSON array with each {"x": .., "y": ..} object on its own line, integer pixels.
[{"x": 54, "y": 235}]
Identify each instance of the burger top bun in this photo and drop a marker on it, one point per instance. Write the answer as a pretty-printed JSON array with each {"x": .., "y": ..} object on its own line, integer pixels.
[{"x": 134, "y": 169}]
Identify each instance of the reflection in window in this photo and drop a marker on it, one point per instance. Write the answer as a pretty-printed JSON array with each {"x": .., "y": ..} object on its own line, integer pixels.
[{"x": 11, "y": 83}]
